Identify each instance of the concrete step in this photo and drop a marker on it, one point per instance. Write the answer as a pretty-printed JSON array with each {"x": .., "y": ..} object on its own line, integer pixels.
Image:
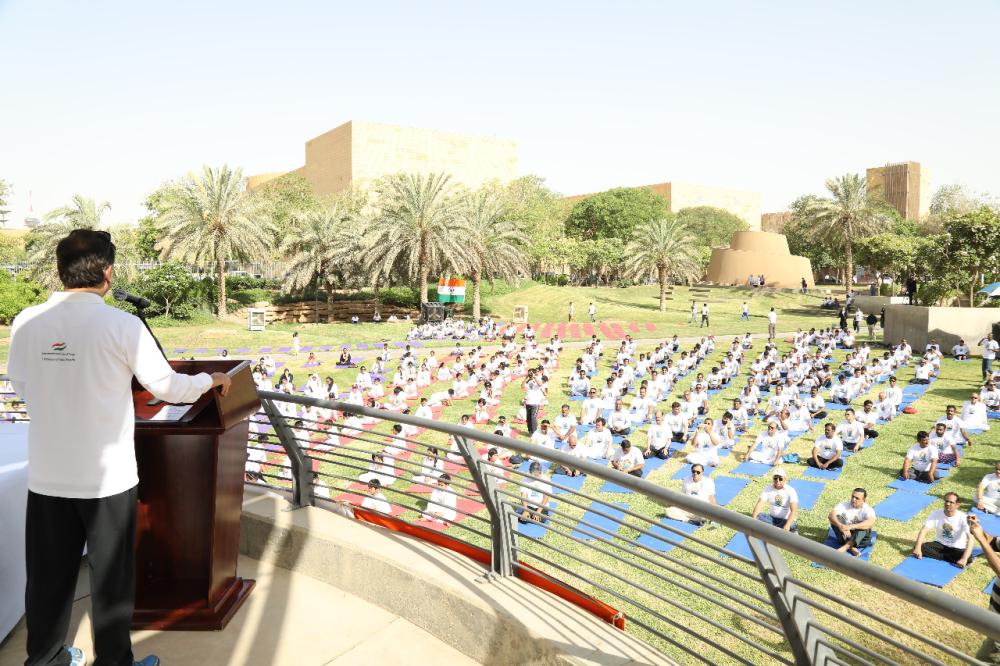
[{"x": 289, "y": 619}]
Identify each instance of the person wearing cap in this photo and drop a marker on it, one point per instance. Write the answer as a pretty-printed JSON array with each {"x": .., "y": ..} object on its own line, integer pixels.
[
  {"x": 781, "y": 502},
  {"x": 535, "y": 496},
  {"x": 628, "y": 459},
  {"x": 951, "y": 535},
  {"x": 852, "y": 522}
]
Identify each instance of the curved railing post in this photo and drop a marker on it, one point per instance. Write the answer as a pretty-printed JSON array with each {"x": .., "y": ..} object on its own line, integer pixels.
[
  {"x": 302, "y": 474},
  {"x": 501, "y": 530}
]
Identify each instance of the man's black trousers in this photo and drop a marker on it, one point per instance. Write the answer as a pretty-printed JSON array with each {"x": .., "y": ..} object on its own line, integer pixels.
[{"x": 57, "y": 529}]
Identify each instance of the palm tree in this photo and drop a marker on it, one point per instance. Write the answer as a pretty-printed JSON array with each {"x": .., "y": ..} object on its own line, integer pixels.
[
  {"x": 665, "y": 247},
  {"x": 213, "y": 217},
  {"x": 416, "y": 227},
  {"x": 851, "y": 212},
  {"x": 320, "y": 245},
  {"x": 497, "y": 246},
  {"x": 81, "y": 213}
]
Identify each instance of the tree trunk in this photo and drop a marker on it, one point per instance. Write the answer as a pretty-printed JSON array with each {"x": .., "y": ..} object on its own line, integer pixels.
[
  {"x": 476, "y": 279},
  {"x": 424, "y": 270},
  {"x": 329, "y": 301},
  {"x": 376, "y": 286},
  {"x": 661, "y": 275},
  {"x": 220, "y": 275},
  {"x": 972, "y": 289},
  {"x": 849, "y": 267}
]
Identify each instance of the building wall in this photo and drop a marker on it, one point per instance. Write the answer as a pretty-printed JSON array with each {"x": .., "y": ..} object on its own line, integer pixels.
[
  {"x": 904, "y": 185},
  {"x": 946, "y": 325},
  {"x": 328, "y": 160},
  {"x": 471, "y": 160},
  {"x": 357, "y": 153},
  {"x": 775, "y": 222}
]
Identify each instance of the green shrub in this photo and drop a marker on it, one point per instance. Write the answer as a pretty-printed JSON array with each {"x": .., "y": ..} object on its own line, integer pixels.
[
  {"x": 17, "y": 294},
  {"x": 250, "y": 296},
  {"x": 243, "y": 282}
]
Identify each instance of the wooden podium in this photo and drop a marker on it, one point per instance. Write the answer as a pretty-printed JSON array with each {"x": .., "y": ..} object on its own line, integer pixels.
[{"x": 190, "y": 501}]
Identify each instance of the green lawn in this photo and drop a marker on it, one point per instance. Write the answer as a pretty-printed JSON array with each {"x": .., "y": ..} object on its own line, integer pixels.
[{"x": 872, "y": 469}]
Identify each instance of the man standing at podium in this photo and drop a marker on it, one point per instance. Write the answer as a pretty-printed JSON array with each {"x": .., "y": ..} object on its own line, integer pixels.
[{"x": 72, "y": 359}]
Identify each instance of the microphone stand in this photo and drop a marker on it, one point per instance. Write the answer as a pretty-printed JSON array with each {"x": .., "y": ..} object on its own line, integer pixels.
[{"x": 141, "y": 314}]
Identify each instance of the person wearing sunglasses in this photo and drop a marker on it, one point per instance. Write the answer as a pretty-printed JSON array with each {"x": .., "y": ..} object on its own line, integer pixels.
[
  {"x": 781, "y": 502},
  {"x": 950, "y": 530},
  {"x": 697, "y": 485}
]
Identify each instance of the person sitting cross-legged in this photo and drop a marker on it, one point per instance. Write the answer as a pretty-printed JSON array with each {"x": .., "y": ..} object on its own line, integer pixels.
[
  {"x": 535, "y": 496},
  {"x": 988, "y": 491},
  {"x": 828, "y": 450},
  {"x": 950, "y": 529},
  {"x": 699, "y": 486},
  {"x": 921, "y": 460},
  {"x": 768, "y": 447},
  {"x": 781, "y": 502},
  {"x": 852, "y": 522},
  {"x": 628, "y": 460}
]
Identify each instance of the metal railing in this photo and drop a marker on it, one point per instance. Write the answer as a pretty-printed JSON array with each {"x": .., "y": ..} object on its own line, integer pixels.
[{"x": 678, "y": 589}]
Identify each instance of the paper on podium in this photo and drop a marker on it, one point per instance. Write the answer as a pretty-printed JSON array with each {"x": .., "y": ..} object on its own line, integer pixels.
[{"x": 171, "y": 413}]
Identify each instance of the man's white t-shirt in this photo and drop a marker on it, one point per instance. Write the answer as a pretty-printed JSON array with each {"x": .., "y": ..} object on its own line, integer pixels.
[
  {"x": 991, "y": 486},
  {"x": 376, "y": 502},
  {"x": 990, "y": 348},
  {"x": 951, "y": 531},
  {"x": 535, "y": 491},
  {"x": 848, "y": 515},
  {"x": 628, "y": 460},
  {"x": 828, "y": 447},
  {"x": 703, "y": 489},
  {"x": 921, "y": 458},
  {"x": 675, "y": 422},
  {"x": 72, "y": 360},
  {"x": 779, "y": 502}
]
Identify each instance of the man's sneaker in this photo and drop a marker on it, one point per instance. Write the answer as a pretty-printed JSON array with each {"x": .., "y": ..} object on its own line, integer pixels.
[
  {"x": 151, "y": 660},
  {"x": 77, "y": 656}
]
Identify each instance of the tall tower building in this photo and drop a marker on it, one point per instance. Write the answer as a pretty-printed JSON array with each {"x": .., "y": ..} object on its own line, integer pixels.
[{"x": 905, "y": 185}]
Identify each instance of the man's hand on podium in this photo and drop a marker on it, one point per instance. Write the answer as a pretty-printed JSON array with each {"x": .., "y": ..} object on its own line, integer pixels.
[{"x": 221, "y": 379}]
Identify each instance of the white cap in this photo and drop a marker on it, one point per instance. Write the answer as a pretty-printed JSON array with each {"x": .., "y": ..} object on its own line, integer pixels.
[{"x": 779, "y": 471}]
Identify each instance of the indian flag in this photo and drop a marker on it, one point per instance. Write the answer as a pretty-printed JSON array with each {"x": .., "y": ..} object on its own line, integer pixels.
[{"x": 451, "y": 290}]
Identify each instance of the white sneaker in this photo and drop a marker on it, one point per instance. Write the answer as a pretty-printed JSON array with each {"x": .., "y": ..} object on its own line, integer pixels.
[{"x": 77, "y": 656}]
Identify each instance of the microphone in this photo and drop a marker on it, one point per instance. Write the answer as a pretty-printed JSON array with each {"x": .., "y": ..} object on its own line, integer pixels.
[{"x": 138, "y": 301}]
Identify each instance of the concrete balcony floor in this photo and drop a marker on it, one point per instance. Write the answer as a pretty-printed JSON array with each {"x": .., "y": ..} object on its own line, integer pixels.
[{"x": 289, "y": 619}]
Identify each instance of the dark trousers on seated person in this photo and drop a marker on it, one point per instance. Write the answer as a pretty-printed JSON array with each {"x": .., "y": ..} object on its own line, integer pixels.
[
  {"x": 836, "y": 464},
  {"x": 821, "y": 414},
  {"x": 923, "y": 477},
  {"x": 620, "y": 431},
  {"x": 57, "y": 529},
  {"x": 678, "y": 437},
  {"x": 861, "y": 538},
  {"x": 777, "y": 522},
  {"x": 870, "y": 434},
  {"x": 537, "y": 511},
  {"x": 852, "y": 446},
  {"x": 938, "y": 551},
  {"x": 662, "y": 454},
  {"x": 920, "y": 381},
  {"x": 636, "y": 472}
]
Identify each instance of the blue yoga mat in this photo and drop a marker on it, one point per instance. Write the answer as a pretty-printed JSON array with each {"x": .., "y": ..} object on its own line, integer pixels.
[
  {"x": 913, "y": 486},
  {"x": 752, "y": 469},
  {"x": 571, "y": 482},
  {"x": 685, "y": 471},
  {"x": 727, "y": 488},
  {"x": 653, "y": 464},
  {"x": 826, "y": 474},
  {"x": 903, "y": 506},
  {"x": 739, "y": 545},
  {"x": 660, "y": 541},
  {"x": 833, "y": 542},
  {"x": 532, "y": 529},
  {"x": 993, "y": 415},
  {"x": 836, "y": 406},
  {"x": 933, "y": 572},
  {"x": 587, "y": 532},
  {"x": 582, "y": 430},
  {"x": 808, "y": 491},
  {"x": 576, "y": 398},
  {"x": 611, "y": 487},
  {"x": 989, "y": 522},
  {"x": 989, "y": 586}
]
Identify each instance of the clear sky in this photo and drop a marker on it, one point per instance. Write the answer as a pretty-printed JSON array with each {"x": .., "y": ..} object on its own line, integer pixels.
[{"x": 109, "y": 99}]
